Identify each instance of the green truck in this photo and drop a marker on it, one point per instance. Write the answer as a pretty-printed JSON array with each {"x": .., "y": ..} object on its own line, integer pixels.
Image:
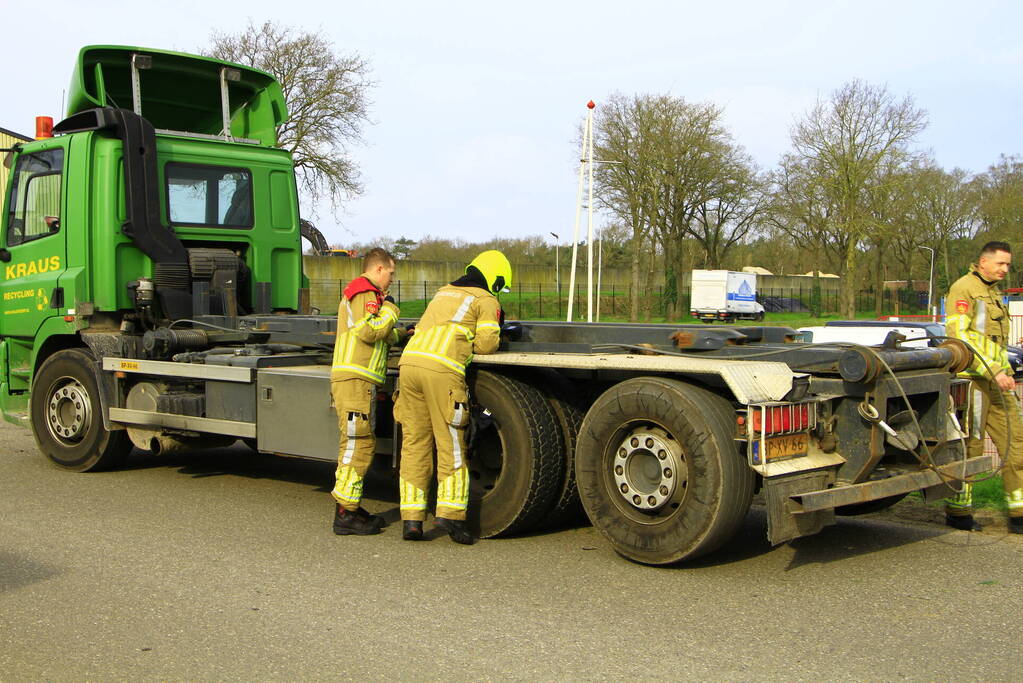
[{"x": 153, "y": 298}]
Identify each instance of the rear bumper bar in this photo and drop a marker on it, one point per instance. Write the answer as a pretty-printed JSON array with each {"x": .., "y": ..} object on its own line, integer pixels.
[{"x": 901, "y": 483}]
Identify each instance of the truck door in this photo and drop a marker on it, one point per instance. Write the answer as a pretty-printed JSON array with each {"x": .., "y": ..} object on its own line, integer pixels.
[{"x": 33, "y": 249}]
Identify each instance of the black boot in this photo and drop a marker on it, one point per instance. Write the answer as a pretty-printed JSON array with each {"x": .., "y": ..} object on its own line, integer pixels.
[
  {"x": 352, "y": 523},
  {"x": 1016, "y": 525},
  {"x": 373, "y": 519},
  {"x": 963, "y": 522},
  {"x": 456, "y": 529},
  {"x": 412, "y": 530}
]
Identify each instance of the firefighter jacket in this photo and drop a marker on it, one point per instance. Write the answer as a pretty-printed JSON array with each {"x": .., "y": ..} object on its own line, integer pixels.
[
  {"x": 977, "y": 315},
  {"x": 459, "y": 322},
  {"x": 365, "y": 328}
]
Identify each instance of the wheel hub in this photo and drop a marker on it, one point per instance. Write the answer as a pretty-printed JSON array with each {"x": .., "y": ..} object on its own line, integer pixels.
[
  {"x": 648, "y": 468},
  {"x": 68, "y": 411}
]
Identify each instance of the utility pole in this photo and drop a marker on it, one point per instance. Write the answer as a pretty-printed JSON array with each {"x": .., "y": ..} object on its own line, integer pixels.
[
  {"x": 585, "y": 164},
  {"x": 557, "y": 262},
  {"x": 930, "y": 285}
]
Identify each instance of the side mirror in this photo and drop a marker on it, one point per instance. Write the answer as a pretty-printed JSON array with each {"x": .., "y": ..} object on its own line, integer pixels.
[
  {"x": 52, "y": 223},
  {"x": 5, "y": 255}
]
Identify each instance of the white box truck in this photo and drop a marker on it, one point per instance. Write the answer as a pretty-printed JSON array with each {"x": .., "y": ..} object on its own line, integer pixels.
[{"x": 724, "y": 295}]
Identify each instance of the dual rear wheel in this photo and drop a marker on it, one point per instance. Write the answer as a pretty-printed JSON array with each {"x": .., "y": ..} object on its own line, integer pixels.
[{"x": 655, "y": 463}]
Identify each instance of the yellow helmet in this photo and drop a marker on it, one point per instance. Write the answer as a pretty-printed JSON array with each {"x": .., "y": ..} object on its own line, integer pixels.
[{"x": 496, "y": 270}]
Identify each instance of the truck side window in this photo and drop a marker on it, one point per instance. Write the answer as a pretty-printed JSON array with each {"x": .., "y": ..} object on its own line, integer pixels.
[
  {"x": 211, "y": 196},
  {"x": 34, "y": 202}
]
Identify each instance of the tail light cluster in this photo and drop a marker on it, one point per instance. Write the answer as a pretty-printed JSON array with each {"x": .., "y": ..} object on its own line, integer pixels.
[{"x": 786, "y": 418}]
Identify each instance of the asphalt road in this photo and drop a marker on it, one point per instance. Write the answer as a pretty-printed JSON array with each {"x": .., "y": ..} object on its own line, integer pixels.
[{"x": 223, "y": 567}]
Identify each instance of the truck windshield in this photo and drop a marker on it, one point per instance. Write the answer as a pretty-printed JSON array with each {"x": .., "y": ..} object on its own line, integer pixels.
[
  {"x": 34, "y": 202},
  {"x": 211, "y": 196}
]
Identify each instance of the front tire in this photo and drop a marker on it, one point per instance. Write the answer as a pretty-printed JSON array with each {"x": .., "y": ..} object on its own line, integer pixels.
[
  {"x": 66, "y": 415},
  {"x": 658, "y": 470}
]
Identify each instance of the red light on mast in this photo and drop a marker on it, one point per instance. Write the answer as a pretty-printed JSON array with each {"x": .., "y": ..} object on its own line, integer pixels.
[
  {"x": 44, "y": 127},
  {"x": 591, "y": 104}
]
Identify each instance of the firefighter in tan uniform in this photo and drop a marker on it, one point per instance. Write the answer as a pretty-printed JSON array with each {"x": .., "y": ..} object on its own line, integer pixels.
[
  {"x": 433, "y": 404},
  {"x": 977, "y": 315},
  {"x": 365, "y": 329}
]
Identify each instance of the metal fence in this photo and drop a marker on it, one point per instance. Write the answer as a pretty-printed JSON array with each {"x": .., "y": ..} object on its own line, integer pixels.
[{"x": 544, "y": 301}]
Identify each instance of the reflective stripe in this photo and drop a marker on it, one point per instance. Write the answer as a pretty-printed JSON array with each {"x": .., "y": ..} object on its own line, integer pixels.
[
  {"x": 1014, "y": 499},
  {"x": 453, "y": 492},
  {"x": 488, "y": 326},
  {"x": 445, "y": 344},
  {"x": 455, "y": 441},
  {"x": 376, "y": 377},
  {"x": 962, "y": 500},
  {"x": 977, "y": 428},
  {"x": 350, "y": 444},
  {"x": 443, "y": 360},
  {"x": 980, "y": 317},
  {"x": 463, "y": 309},
  {"x": 412, "y": 497},
  {"x": 383, "y": 319},
  {"x": 348, "y": 343},
  {"x": 348, "y": 488},
  {"x": 992, "y": 355}
]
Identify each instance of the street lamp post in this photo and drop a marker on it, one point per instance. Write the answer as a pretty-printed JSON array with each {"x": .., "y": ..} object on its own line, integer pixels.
[
  {"x": 930, "y": 284},
  {"x": 557, "y": 262}
]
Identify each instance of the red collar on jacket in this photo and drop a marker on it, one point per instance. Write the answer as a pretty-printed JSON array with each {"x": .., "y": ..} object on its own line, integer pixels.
[{"x": 359, "y": 285}]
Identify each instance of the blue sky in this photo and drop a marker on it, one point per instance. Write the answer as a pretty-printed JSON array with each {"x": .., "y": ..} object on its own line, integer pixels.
[{"x": 477, "y": 104}]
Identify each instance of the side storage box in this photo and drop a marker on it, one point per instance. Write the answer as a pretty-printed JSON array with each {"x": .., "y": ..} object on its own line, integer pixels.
[{"x": 294, "y": 412}]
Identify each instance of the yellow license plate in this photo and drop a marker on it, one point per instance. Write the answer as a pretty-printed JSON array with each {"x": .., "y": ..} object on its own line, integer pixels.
[{"x": 786, "y": 446}]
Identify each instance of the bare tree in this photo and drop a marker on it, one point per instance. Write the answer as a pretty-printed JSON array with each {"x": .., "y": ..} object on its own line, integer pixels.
[
  {"x": 734, "y": 212},
  {"x": 850, "y": 145},
  {"x": 944, "y": 207},
  {"x": 327, "y": 97},
  {"x": 677, "y": 181},
  {"x": 1001, "y": 199},
  {"x": 625, "y": 135}
]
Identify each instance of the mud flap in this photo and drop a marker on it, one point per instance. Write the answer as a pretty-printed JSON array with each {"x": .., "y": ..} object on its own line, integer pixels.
[{"x": 785, "y": 521}]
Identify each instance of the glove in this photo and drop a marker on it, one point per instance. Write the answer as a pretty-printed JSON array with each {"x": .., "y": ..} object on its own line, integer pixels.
[
  {"x": 390, "y": 299},
  {"x": 511, "y": 331},
  {"x": 404, "y": 334}
]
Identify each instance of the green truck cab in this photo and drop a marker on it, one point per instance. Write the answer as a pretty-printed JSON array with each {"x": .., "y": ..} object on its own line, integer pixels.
[{"x": 162, "y": 181}]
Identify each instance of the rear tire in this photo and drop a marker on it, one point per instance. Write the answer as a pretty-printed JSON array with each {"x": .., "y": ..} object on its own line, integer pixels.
[
  {"x": 514, "y": 456},
  {"x": 658, "y": 470},
  {"x": 569, "y": 410},
  {"x": 66, "y": 415}
]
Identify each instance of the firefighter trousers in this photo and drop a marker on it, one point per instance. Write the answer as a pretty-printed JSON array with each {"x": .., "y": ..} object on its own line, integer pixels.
[
  {"x": 992, "y": 411},
  {"x": 433, "y": 409},
  {"x": 353, "y": 403}
]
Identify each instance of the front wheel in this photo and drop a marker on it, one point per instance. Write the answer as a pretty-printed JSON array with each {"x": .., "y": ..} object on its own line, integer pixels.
[
  {"x": 658, "y": 470},
  {"x": 66, "y": 415}
]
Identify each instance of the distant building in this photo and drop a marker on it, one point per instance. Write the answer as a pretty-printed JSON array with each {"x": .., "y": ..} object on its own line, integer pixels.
[
  {"x": 8, "y": 138},
  {"x": 757, "y": 270}
]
